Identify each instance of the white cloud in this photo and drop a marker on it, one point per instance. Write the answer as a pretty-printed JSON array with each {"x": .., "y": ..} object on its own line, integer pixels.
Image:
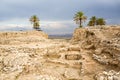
[
  {"x": 13, "y": 23},
  {"x": 58, "y": 27},
  {"x": 51, "y": 27},
  {"x": 56, "y": 24},
  {"x": 25, "y": 22}
]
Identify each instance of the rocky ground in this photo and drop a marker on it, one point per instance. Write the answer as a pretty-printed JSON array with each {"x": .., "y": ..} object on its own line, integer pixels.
[{"x": 92, "y": 54}]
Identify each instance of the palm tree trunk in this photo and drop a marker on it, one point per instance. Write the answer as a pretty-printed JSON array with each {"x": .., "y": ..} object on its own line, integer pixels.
[{"x": 80, "y": 22}]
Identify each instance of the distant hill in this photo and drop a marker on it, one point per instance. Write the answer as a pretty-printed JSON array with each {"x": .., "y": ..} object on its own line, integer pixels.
[
  {"x": 60, "y": 36},
  {"x": 15, "y": 29}
]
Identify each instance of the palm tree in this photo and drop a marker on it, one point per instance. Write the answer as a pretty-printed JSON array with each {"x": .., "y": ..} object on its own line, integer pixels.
[
  {"x": 35, "y": 21},
  {"x": 79, "y": 18},
  {"x": 93, "y": 19},
  {"x": 100, "y": 21},
  {"x": 90, "y": 23}
]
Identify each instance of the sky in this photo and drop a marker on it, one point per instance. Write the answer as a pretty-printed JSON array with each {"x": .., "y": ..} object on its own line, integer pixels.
[{"x": 56, "y": 16}]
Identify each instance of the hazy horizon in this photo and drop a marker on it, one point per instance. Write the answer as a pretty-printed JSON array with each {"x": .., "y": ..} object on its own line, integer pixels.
[{"x": 56, "y": 16}]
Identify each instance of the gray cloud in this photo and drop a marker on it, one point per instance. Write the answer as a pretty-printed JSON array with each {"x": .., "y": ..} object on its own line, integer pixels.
[
  {"x": 56, "y": 9},
  {"x": 59, "y": 10}
]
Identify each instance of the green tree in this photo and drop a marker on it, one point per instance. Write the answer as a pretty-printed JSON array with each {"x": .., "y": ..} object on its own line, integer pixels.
[
  {"x": 90, "y": 23},
  {"x": 80, "y": 18},
  {"x": 35, "y": 21},
  {"x": 100, "y": 21},
  {"x": 93, "y": 20}
]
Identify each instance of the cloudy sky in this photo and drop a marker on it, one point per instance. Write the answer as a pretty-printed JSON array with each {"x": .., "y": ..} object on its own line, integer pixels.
[{"x": 56, "y": 16}]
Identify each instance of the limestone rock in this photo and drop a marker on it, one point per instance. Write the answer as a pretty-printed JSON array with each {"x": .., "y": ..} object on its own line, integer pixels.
[{"x": 111, "y": 75}]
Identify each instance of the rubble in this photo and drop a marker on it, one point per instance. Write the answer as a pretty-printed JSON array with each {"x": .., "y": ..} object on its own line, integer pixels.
[{"x": 108, "y": 75}]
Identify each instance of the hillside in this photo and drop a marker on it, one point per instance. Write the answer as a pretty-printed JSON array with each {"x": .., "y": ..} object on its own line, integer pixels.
[
  {"x": 91, "y": 54},
  {"x": 100, "y": 48}
]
